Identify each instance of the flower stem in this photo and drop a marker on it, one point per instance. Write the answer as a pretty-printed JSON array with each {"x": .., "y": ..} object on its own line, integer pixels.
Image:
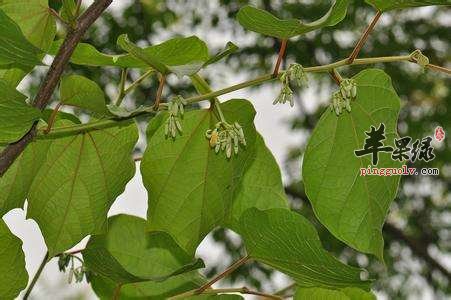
[
  {"x": 52, "y": 118},
  {"x": 36, "y": 276},
  {"x": 159, "y": 91}
]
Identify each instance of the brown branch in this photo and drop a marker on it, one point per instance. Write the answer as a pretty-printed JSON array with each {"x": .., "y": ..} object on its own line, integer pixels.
[
  {"x": 12, "y": 151},
  {"x": 226, "y": 272},
  {"x": 335, "y": 76},
  {"x": 364, "y": 37},
  {"x": 418, "y": 248},
  {"x": 439, "y": 68},
  {"x": 283, "y": 48}
]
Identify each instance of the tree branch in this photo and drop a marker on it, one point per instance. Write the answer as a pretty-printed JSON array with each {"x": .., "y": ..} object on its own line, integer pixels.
[{"x": 10, "y": 153}]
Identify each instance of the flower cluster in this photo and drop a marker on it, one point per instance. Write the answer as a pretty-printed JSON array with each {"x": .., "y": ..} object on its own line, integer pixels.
[
  {"x": 225, "y": 137},
  {"x": 294, "y": 73},
  {"x": 176, "y": 110},
  {"x": 74, "y": 272},
  {"x": 341, "y": 99},
  {"x": 421, "y": 59}
]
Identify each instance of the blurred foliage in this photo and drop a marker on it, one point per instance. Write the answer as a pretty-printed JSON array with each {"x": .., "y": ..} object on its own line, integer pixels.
[{"x": 422, "y": 207}]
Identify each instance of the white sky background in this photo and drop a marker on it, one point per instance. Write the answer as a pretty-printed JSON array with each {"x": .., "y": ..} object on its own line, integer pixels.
[{"x": 270, "y": 121}]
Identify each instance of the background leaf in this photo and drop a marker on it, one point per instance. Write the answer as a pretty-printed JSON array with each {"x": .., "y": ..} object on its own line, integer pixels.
[
  {"x": 189, "y": 202},
  {"x": 286, "y": 241},
  {"x": 82, "y": 92},
  {"x": 16, "y": 116},
  {"x": 351, "y": 206},
  {"x": 385, "y": 5},
  {"x": 127, "y": 253},
  {"x": 263, "y": 22},
  {"x": 12, "y": 264},
  {"x": 80, "y": 179},
  {"x": 182, "y": 56}
]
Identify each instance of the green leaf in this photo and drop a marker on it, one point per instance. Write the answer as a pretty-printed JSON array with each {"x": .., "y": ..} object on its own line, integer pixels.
[
  {"x": 386, "y": 5},
  {"x": 189, "y": 205},
  {"x": 182, "y": 56},
  {"x": 81, "y": 177},
  {"x": 343, "y": 294},
  {"x": 229, "y": 49},
  {"x": 263, "y": 22},
  {"x": 122, "y": 112},
  {"x": 127, "y": 253},
  {"x": 15, "y": 49},
  {"x": 261, "y": 185},
  {"x": 16, "y": 116},
  {"x": 82, "y": 92},
  {"x": 16, "y": 182},
  {"x": 286, "y": 241},
  {"x": 68, "y": 10},
  {"x": 13, "y": 76},
  {"x": 216, "y": 297},
  {"x": 12, "y": 264},
  {"x": 34, "y": 19},
  {"x": 150, "y": 290},
  {"x": 353, "y": 207}
]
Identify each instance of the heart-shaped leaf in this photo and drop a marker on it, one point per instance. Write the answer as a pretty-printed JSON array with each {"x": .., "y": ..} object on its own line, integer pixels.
[
  {"x": 342, "y": 294},
  {"x": 127, "y": 253},
  {"x": 81, "y": 177},
  {"x": 261, "y": 186},
  {"x": 265, "y": 23},
  {"x": 16, "y": 116},
  {"x": 286, "y": 241},
  {"x": 12, "y": 264},
  {"x": 82, "y": 92},
  {"x": 15, "y": 49},
  {"x": 385, "y": 5},
  {"x": 189, "y": 203},
  {"x": 351, "y": 206}
]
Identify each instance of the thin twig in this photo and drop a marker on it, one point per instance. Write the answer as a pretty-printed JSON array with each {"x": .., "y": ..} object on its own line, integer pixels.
[
  {"x": 226, "y": 272},
  {"x": 335, "y": 76},
  {"x": 36, "y": 276},
  {"x": 53, "y": 117},
  {"x": 283, "y": 291},
  {"x": 439, "y": 68},
  {"x": 57, "y": 16},
  {"x": 117, "y": 292},
  {"x": 122, "y": 81},
  {"x": 364, "y": 37},
  {"x": 12, "y": 151},
  {"x": 159, "y": 91},
  {"x": 77, "y": 10},
  {"x": 283, "y": 48}
]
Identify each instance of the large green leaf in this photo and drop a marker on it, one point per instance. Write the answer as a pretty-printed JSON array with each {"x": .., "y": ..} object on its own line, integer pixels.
[
  {"x": 16, "y": 116},
  {"x": 263, "y": 22},
  {"x": 82, "y": 92},
  {"x": 351, "y": 206},
  {"x": 261, "y": 186},
  {"x": 190, "y": 187},
  {"x": 14, "y": 277},
  {"x": 182, "y": 56},
  {"x": 15, "y": 49},
  {"x": 16, "y": 182},
  {"x": 81, "y": 177},
  {"x": 34, "y": 19},
  {"x": 343, "y": 294},
  {"x": 127, "y": 253},
  {"x": 385, "y": 5},
  {"x": 286, "y": 241},
  {"x": 151, "y": 290}
]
